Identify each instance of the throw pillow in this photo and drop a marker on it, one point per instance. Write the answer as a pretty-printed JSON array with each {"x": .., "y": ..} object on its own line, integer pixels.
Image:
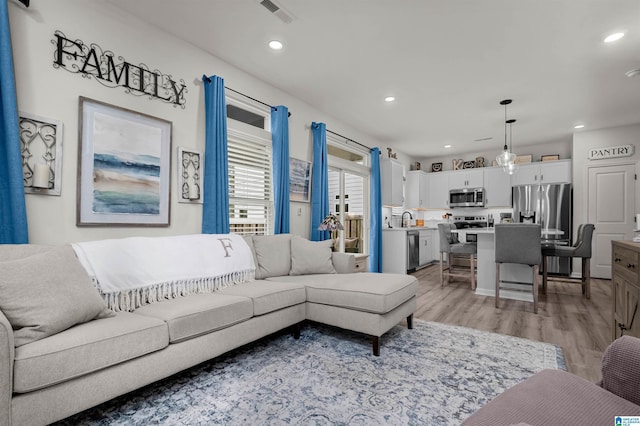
[
  {"x": 274, "y": 255},
  {"x": 47, "y": 293},
  {"x": 311, "y": 257},
  {"x": 249, "y": 240}
]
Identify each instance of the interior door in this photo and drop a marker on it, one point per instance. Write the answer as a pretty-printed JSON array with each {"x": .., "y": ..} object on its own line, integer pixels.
[{"x": 611, "y": 206}]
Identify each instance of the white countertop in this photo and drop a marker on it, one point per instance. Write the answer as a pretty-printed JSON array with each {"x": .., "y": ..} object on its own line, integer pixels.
[
  {"x": 411, "y": 228},
  {"x": 492, "y": 230}
]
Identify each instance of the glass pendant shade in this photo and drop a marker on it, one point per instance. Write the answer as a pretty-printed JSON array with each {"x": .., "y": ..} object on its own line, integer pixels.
[
  {"x": 511, "y": 168},
  {"x": 505, "y": 158}
]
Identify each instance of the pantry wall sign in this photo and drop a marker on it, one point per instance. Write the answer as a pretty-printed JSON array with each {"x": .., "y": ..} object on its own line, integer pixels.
[
  {"x": 611, "y": 152},
  {"x": 91, "y": 61}
]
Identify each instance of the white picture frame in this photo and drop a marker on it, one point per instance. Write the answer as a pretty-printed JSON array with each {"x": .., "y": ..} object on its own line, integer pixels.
[{"x": 124, "y": 167}]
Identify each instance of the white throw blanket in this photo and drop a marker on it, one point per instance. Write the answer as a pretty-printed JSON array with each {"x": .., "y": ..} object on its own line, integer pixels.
[{"x": 131, "y": 272}]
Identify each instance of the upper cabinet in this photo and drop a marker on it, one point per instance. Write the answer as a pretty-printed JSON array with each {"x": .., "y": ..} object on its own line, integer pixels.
[
  {"x": 471, "y": 178},
  {"x": 417, "y": 190},
  {"x": 543, "y": 172},
  {"x": 391, "y": 182},
  {"x": 438, "y": 190},
  {"x": 497, "y": 187}
]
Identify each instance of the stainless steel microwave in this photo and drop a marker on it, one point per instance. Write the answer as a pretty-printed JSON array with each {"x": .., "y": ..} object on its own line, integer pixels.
[{"x": 466, "y": 197}]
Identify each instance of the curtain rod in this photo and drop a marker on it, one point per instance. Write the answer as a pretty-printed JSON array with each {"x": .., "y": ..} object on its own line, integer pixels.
[
  {"x": 246, "y": 96},
  {"x": 349, "y": 139},
  {"x": 253, "y": 99}
]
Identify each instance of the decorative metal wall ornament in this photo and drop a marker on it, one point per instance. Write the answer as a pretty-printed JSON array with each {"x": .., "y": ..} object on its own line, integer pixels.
[
  {"x": 41, "y": 148},
  {"x": 139, "y": 80},
  {"x": 190, "y": 175}
]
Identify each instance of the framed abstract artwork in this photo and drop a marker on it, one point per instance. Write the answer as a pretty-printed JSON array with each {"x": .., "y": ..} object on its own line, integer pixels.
[
  {"x": 299, "y": 180},
  {"x": 124, "y": 167}
]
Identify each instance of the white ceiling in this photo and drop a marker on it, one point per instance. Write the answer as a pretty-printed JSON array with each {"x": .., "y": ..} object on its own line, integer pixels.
[{"x": 447, "y": 62}]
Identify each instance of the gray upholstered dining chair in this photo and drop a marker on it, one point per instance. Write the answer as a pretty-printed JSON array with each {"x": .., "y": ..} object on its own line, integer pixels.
[
  {"x": 518, "y": 243},
  {"x": 449, "y": 244},
  {"x": 581, "y": 248}
]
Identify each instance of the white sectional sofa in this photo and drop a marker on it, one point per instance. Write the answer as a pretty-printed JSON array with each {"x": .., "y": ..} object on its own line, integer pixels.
[{"x": 85, "y": 354}]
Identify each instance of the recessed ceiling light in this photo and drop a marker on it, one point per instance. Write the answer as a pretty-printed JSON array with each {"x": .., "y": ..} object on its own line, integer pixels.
[
  {"x": 390, "y": 99},
  {"x": 613, "y": 37},
  {"x": 447, "y": 146},
  {"x": 578, "y": 126},
  {"x": 276, "y": 45}
]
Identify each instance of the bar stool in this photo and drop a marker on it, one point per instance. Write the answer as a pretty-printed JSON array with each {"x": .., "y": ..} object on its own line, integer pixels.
[
  {"x": 581, "y": 248},
  {"x": 518, "y": 243},
  {"x": 449, "y": 244}
]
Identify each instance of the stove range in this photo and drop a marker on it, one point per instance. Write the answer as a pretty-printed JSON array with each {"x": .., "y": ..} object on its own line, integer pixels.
[{"x": 463, "y": 222}]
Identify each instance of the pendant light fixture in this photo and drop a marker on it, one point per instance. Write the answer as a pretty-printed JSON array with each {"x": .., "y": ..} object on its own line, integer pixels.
[
  {"x": 511, "y": 168},
  {"x": 505, "y": 158}
]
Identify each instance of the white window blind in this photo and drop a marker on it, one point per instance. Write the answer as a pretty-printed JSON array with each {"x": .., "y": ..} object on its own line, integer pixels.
[{"x": 250, "y": 192}]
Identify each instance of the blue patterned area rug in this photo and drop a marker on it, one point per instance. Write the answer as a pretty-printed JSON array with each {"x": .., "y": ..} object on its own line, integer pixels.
[{"x": 435, "y": 374}]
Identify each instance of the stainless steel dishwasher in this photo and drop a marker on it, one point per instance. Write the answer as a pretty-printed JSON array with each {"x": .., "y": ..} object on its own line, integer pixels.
[{"x": 413, "y": 250}]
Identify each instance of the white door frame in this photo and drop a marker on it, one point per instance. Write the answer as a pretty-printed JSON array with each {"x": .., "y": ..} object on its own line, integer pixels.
[{"x": 587, "y": 196}]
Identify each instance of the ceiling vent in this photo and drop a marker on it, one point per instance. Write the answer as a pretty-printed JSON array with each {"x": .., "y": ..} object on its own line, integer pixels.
[
  {"x": 633, "y": 73},
  {"x": 277, "y": 10}
]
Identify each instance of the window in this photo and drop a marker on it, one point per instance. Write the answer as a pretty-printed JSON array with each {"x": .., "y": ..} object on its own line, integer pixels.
[
  {"x": 349, "y": 177},
  {"x": 250, "y": 177}
]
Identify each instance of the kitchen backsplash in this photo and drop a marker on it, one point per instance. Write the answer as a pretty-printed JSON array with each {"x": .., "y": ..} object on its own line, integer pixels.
[{"x": 434, "y": 216}]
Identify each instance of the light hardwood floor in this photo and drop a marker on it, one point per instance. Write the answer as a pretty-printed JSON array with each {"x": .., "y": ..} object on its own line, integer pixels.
[{"x": 580, "y": 326}]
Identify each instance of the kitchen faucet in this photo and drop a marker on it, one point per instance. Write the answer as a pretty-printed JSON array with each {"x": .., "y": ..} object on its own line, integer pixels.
[{"x": 402, "y": 218}]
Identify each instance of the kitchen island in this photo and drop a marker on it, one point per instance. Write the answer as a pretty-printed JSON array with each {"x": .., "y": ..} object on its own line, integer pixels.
[{"x": 486, "y": 278}]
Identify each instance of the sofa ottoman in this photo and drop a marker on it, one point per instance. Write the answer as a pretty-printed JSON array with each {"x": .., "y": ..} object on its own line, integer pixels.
[{"x": 368, "y": 303}]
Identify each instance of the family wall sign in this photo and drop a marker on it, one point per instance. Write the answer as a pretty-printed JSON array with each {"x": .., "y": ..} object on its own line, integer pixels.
[{"x": 90, "y": 60}]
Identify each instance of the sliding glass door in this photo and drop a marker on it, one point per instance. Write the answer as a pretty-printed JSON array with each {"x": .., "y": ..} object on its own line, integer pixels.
[{"x": 347, "y": 201}]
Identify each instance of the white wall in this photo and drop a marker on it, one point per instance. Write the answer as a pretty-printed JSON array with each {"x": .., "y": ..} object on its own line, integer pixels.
[
  {"x": 582, "y": 143},
  {"x": 53, "y": 93}
]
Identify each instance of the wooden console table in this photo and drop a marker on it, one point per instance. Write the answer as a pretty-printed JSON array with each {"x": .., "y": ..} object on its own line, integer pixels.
[{"x": 625, "y": 288}]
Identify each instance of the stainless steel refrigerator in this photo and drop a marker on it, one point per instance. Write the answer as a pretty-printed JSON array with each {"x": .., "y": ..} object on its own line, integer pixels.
[{"x": 550, "y": 206}]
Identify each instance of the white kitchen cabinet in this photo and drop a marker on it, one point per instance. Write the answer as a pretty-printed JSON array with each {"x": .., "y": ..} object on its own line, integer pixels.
[
  {"x": 466, "y": 179},
  {"x": 497, "y": 187},
  {"x": 394, "y": 251},
  {"x": 436, "y": 245},
  {"x": 391, "y": 182},
  {"x": 426, "y": 248},
  {"x": 543, "y": 172},
  {"x": 438, "y": 190},
  {"x": 417, "y": 190}
]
